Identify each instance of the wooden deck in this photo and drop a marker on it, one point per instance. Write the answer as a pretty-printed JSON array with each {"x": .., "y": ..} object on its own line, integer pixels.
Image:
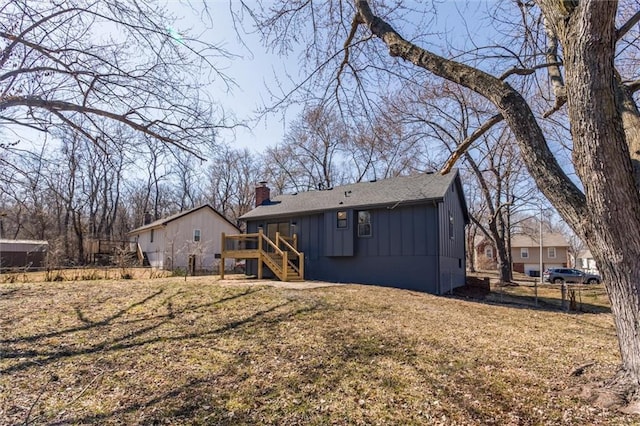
[{"x": 280, "y": 256}]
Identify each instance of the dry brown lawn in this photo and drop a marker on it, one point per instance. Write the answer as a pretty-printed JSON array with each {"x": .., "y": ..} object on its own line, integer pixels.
[{"x": 201, "y": 351}]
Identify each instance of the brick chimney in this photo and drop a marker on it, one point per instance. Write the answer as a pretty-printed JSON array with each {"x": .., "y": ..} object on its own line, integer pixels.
[{"x": 263, "y": 193}]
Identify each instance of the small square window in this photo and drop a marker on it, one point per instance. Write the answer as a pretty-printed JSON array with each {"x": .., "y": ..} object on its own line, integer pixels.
[
  {"x": 342, "y": 219},
  {"x": 524, "y": 252},
  {"x": 196, "y": 235}
]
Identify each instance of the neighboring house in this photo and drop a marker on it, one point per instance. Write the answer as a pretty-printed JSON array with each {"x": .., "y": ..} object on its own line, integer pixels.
[
  {"x": 525, "y": 253},
  {"x": 405, "y": 232},
  {"x": 586, "y": 262},
  {"x": 23, "y": 253},
  {"x": 485, "y": 254},
  {"x": 188, "y": 240}
]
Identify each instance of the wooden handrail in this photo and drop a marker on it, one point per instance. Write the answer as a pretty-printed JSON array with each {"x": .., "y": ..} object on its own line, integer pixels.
[
  {"x": 300, "y": 268},
  {"x": 271, "y": 243},
  {"x": 293, "y": 240},
  {"x": 281, "y": 247},
  {"x": 289, "y": 246},
  {"x": 139, "y": 253}
]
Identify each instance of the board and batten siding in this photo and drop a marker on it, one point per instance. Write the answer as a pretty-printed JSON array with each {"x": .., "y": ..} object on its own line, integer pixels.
[
  {"x": 401, "y": 252},
  {"x": 452, "y": 242},
  {"x": 401, "y": 231},
  {"x": 338, "y": 241}
]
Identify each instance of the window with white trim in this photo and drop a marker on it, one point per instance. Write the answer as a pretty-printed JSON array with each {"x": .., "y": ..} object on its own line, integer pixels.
[
  {"x": 524, "y": 252},
  {"x": 196, "y": 235},
  {"x": 488, "y": 252},
  {"x": 551, "y": 252}
]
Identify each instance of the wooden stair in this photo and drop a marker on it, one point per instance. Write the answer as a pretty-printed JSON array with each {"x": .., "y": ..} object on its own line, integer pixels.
[
  {"x": 280, "y": 256},
  {"x": 275, "y": 262}
]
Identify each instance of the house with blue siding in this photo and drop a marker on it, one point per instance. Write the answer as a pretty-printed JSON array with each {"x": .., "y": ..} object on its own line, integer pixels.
[{"x": 405, "y": 232}]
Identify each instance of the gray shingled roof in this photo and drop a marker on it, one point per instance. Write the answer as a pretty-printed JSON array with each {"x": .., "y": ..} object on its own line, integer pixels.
[
  {"x": 399, "y": 190},
  {"x": 164, "y": 221}
]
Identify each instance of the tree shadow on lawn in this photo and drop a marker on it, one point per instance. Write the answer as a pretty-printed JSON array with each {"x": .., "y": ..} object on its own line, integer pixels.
[
  {"x": 184, "y": 397},
  {"x": 9, "y": 293},
  {"x": 194, "y": 403},
  {"x": 40, "y": 358},
  {"x": 503, "y": 297},
  {"x": 188, "y": 401}
]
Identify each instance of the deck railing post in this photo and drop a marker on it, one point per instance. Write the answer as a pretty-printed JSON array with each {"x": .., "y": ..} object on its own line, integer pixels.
[
  {"x": 284, "y": 266},
  {"x": 301, "y": 265},
  {"x": 260, "y": 253},
  {"x": 295, "y": 241}
]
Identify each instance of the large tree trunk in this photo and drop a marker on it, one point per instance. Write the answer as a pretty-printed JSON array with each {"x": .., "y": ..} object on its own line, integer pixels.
[
  {"x": 502, "y": 256},
  {"x": 607, "y": 214},
  {"x": 502, "y": 259},
  {"x": 601, "y": 159}
]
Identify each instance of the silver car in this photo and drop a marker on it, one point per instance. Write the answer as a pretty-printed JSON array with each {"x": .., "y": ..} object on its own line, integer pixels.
[{"x": 560, "y": 275}]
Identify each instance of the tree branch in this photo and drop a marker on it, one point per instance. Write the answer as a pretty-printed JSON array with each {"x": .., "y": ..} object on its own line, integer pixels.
[
  {"x": 15, "y": 40},
  {"x": 465, "y": 144},
  {"x": 347, "y": 44},
  {"x": 540, "y": 161},
  {"x": 557, "y": 82},
  {"x": 57, "y": 106},
  {"x": 624, "y": 29}
]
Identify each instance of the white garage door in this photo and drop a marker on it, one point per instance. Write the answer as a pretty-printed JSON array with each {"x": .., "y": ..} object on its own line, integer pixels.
[{"x": 529, "y": 267}]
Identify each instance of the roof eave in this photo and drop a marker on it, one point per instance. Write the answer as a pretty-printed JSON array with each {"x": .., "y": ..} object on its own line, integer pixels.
[{"x": 390, "y": 206}]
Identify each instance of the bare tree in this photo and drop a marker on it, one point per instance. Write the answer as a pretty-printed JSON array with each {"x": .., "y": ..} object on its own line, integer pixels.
[
  {"x": 188, "y": 172},
  {"x": 443, "y": 117},
  {"x": 85, "y": 65},
  {"x": 581, "y": 48},
  {"x": 386, "y": 145},
  {"x": 315, "y": 142},
  {"x": 230, "y": 182}
]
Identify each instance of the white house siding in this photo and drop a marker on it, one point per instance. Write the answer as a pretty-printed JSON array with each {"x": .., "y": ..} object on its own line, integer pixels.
[
  {"x": 154, "y": 250},
  {"x": 173, "y": 241},
  {"x": 180, "y": 245},
  {"x": 586, "y": 262}
]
